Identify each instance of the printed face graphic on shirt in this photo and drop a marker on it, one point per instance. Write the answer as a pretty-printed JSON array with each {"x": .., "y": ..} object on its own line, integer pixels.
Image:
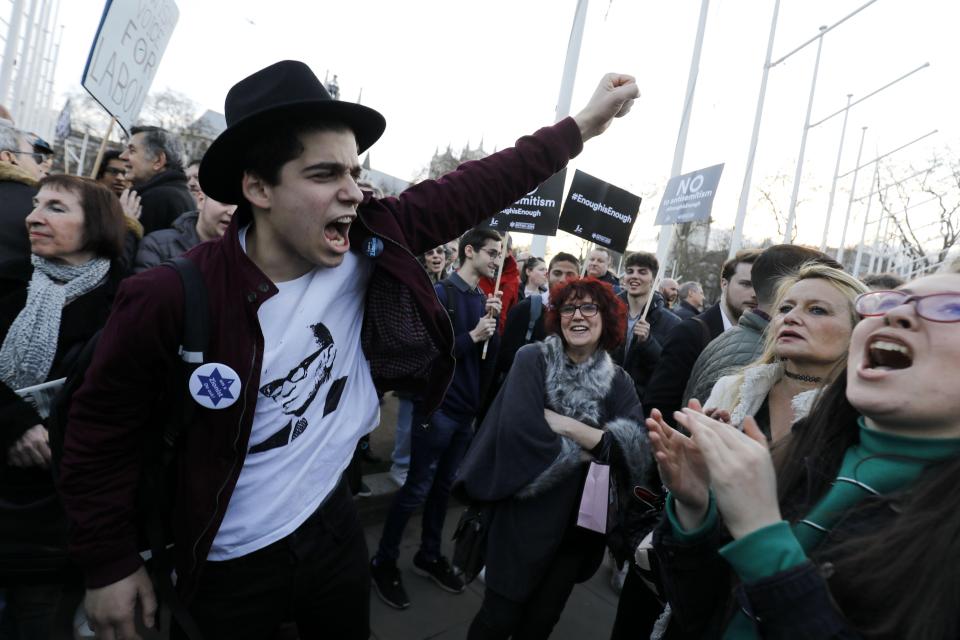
[{"x": 296, "y": 391}]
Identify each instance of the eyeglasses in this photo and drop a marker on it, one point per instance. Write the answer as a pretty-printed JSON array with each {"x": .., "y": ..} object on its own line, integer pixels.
[
  {"x": 493, "y": 254},
  {"x": 587, "y": 310},
  {"x": 38, "y": 156},
  {"x": 935, "y": 307}
]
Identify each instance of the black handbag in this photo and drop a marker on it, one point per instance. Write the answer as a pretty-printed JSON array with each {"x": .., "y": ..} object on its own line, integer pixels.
[{"x": 470, "y": 540}]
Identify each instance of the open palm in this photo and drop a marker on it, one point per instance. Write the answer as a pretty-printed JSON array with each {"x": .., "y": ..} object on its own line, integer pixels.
[{"x": 682, "y": 467}]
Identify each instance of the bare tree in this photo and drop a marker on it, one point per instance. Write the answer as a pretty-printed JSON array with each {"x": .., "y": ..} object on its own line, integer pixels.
[{"x": 922, "y": 201}]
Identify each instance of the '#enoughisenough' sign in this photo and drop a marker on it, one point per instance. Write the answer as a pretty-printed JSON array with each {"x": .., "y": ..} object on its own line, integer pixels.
[{"x": 599, "y": 212}]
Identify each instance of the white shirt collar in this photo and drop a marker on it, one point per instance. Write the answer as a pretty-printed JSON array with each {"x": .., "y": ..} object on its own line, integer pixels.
[{"x": 727, "y": 324}]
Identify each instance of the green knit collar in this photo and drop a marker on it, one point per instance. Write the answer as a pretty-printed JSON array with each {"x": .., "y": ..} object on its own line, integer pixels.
[{"x": 874, "y": 442}]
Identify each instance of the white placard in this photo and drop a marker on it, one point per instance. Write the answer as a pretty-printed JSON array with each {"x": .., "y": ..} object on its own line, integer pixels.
[{"x": 126, "y": 52}]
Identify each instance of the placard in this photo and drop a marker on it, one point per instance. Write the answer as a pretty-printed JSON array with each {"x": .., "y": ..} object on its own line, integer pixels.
[
  {"x": 689, "y": 198},
  {"x": 599, "y": 212},
  {"x": 537, "y": 212},
  {"x": 125, "y": 54}
]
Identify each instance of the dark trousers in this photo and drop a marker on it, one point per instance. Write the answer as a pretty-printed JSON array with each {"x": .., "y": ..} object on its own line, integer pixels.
[
  {"x": 317, "y": 577},
  {"x": 437, "y": 447},
  {"x": 500, "y": 618},
  {"x": 637, "y": 610}
]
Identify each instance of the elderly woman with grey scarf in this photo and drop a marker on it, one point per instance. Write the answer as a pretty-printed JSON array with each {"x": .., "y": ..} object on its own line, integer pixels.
[
  {"x": 564, "y": 406},
  {"x": 49, "y": 308}
]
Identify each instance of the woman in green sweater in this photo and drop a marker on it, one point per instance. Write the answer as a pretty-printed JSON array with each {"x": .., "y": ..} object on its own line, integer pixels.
[{"x": 851, "y": 528}]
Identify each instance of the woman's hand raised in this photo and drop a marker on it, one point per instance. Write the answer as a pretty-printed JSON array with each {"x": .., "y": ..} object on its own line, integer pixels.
[
  {"x": 682, "y": 469},
  {"x": 740, "y": 469}
]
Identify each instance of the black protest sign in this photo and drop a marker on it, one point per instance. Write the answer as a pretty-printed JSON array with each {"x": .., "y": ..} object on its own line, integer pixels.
[
  {"x": 599, "y": 212},
  {"x": 537, "y": 212},
  {"x": 689, "y": 197}
]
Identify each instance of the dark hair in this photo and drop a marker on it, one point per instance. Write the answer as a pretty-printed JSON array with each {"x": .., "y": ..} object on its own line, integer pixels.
[
  {"x": 104, "y": 224},
  {"x": 781, "y": 260},
  {"x": 157, "y": 140},
  {"x": 746, "y": 256},
  {"x": 921, "y": 547},
  {"x": 108, "y": 157},
  {"x": 883, "y": 281},
  {"x": 529, "y": 263},
  {"x": 643, "y": 259},
  {"x": 613, "y": 311},
  {"x": 275, "y": 142},
  {"x": 564, "y": 257},
  {"x": 476, "y": 238}
]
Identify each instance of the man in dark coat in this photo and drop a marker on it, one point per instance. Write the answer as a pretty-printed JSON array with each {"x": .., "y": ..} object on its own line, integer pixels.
[
  {"x": 21, "y": 167},
  {"x": 646, "y": 336},
  {"x": 189, "y": 230},
  {"x": 690, "y": 298},
  {"x": 689, "y": 338},
  {"x": 598, "y": 266},
  {"x": 154, "y": 160}
]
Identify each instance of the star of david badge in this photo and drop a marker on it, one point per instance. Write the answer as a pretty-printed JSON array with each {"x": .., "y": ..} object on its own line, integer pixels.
[{"x": 215, "y": 385}]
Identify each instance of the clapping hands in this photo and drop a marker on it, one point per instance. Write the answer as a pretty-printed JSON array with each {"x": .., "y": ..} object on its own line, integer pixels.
[{"x": 735, "y": 465}]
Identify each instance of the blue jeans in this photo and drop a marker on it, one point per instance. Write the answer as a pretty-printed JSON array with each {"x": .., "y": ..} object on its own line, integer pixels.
[
  {"x": 401, "y": 444},
  {"x": 437, "y": 446}
]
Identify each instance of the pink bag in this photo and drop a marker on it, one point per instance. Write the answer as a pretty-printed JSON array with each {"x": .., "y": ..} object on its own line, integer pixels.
[{"x": 596, "y": 499}]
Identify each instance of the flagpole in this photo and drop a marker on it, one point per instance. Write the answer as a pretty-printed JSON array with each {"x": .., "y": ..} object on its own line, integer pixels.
[
  {"x": 538, "y": 246},
  {"x": 667, "y": 231}
]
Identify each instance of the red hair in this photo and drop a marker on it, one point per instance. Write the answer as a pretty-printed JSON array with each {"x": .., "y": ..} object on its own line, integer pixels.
[{"x": 613, "y": 311}]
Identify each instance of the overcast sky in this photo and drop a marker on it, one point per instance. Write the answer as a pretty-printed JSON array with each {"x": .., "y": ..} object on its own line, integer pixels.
[{"x": 452, "y": 72}]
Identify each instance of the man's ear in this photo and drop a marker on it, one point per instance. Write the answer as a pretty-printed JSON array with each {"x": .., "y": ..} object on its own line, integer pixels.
[
  {"x": 256, "y": 190},
  {"x": 8, "y": 157},
  {"x": 723, "y": 284},
  {"x": 160, "y": 162}
]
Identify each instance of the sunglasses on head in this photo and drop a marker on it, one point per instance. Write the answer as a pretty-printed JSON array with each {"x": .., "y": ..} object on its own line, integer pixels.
[{"x": 935, "y": 307}]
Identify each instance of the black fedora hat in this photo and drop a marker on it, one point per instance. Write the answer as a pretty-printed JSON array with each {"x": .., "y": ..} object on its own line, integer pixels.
[{"x": 269, "y": 97}]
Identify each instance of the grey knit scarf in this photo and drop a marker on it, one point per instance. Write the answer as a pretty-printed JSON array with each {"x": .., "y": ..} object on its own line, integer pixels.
[{"x": 31, "y": 343}]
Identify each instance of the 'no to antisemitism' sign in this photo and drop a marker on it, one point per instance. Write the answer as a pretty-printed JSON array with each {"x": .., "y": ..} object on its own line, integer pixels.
[
  {"x": 126, "y": 52},
  {"x": 689, "y": 197}
]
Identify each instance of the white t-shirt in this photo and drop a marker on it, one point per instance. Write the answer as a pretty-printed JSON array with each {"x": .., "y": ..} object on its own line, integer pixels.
[{"x": 316, "y": 400}]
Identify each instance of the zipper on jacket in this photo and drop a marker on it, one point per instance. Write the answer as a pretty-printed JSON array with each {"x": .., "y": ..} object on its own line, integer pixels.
[{"x": 236, "y": 440}]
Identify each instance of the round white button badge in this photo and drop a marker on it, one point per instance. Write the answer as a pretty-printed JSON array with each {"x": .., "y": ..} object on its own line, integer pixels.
[{"x": 214, "y": 385}]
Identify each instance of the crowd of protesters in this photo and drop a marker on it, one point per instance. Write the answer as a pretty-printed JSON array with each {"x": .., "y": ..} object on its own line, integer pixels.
[{"x": 777, "y": 464}]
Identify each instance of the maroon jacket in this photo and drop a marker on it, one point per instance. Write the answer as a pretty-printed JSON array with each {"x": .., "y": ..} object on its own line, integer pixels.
[{"x": 406, "y": 336}]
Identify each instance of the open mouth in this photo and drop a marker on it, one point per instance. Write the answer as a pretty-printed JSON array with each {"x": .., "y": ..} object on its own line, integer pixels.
[
  {"x": 579, "y": 328},
  {"x": 336, "y": 233},
  {"x": 884, "y": 354}
]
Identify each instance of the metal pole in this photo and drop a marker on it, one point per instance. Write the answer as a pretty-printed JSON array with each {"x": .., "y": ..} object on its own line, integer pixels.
[
  {"x": 853, "y": 191},
  {"x": 538, "y": 246},
  {"x": 883, "y": 221},
  {"x": 666, "y": 231},
  {"x": 83, "y": 152},
  {"x": 866, "y": 220},
  {"x": 737, "y": 238},
  {"x": 825, "y": 30},
  {"x": 10, "y": 49},
  {"x": 836, "y": 172},
  {"x": 871, "y": 94},
  {"x": 23, "y": 62},
  {"x": 788, "y": 233}
]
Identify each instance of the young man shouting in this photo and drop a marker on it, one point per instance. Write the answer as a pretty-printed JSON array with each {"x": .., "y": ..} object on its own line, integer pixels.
[{"x": 316, "y": 303}]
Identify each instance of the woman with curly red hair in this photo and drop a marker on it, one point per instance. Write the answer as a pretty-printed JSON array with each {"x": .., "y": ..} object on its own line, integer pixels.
[{"x": 566, "y": 418}]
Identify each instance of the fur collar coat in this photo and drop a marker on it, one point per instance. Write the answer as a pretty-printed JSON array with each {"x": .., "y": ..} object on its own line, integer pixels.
[{"x": 743, "y": 393}]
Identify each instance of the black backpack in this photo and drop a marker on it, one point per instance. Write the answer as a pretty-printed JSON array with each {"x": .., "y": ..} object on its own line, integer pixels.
[{"x": 157, "y": 482}]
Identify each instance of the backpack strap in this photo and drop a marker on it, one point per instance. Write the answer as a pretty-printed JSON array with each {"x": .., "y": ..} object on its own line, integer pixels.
[
  {"x": 451, "y": 294},
  {"x": 193, "y": 348},
  {"x": 536, "y": 308}
]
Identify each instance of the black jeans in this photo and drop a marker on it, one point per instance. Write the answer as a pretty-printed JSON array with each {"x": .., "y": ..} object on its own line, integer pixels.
[
  {"x": 317, "y": 577},
  {"x": 500, "y": 618}
]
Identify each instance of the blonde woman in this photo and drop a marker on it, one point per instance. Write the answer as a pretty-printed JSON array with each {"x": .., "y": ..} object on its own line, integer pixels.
[{"x": 806, "y": 344}]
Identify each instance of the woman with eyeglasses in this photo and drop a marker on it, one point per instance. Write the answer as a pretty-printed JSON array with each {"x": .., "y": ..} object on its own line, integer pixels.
[
  {"x": 805, "y": 347},
  {"x": 434, "y": 261},
  {"x": 562, "y": 439},
  {"x": 49, "y": 309},
  {"x": 849, "y": 529}
]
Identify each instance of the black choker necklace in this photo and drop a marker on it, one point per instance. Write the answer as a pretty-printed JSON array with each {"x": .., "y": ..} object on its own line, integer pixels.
[{"x": 801, "y": 377}]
